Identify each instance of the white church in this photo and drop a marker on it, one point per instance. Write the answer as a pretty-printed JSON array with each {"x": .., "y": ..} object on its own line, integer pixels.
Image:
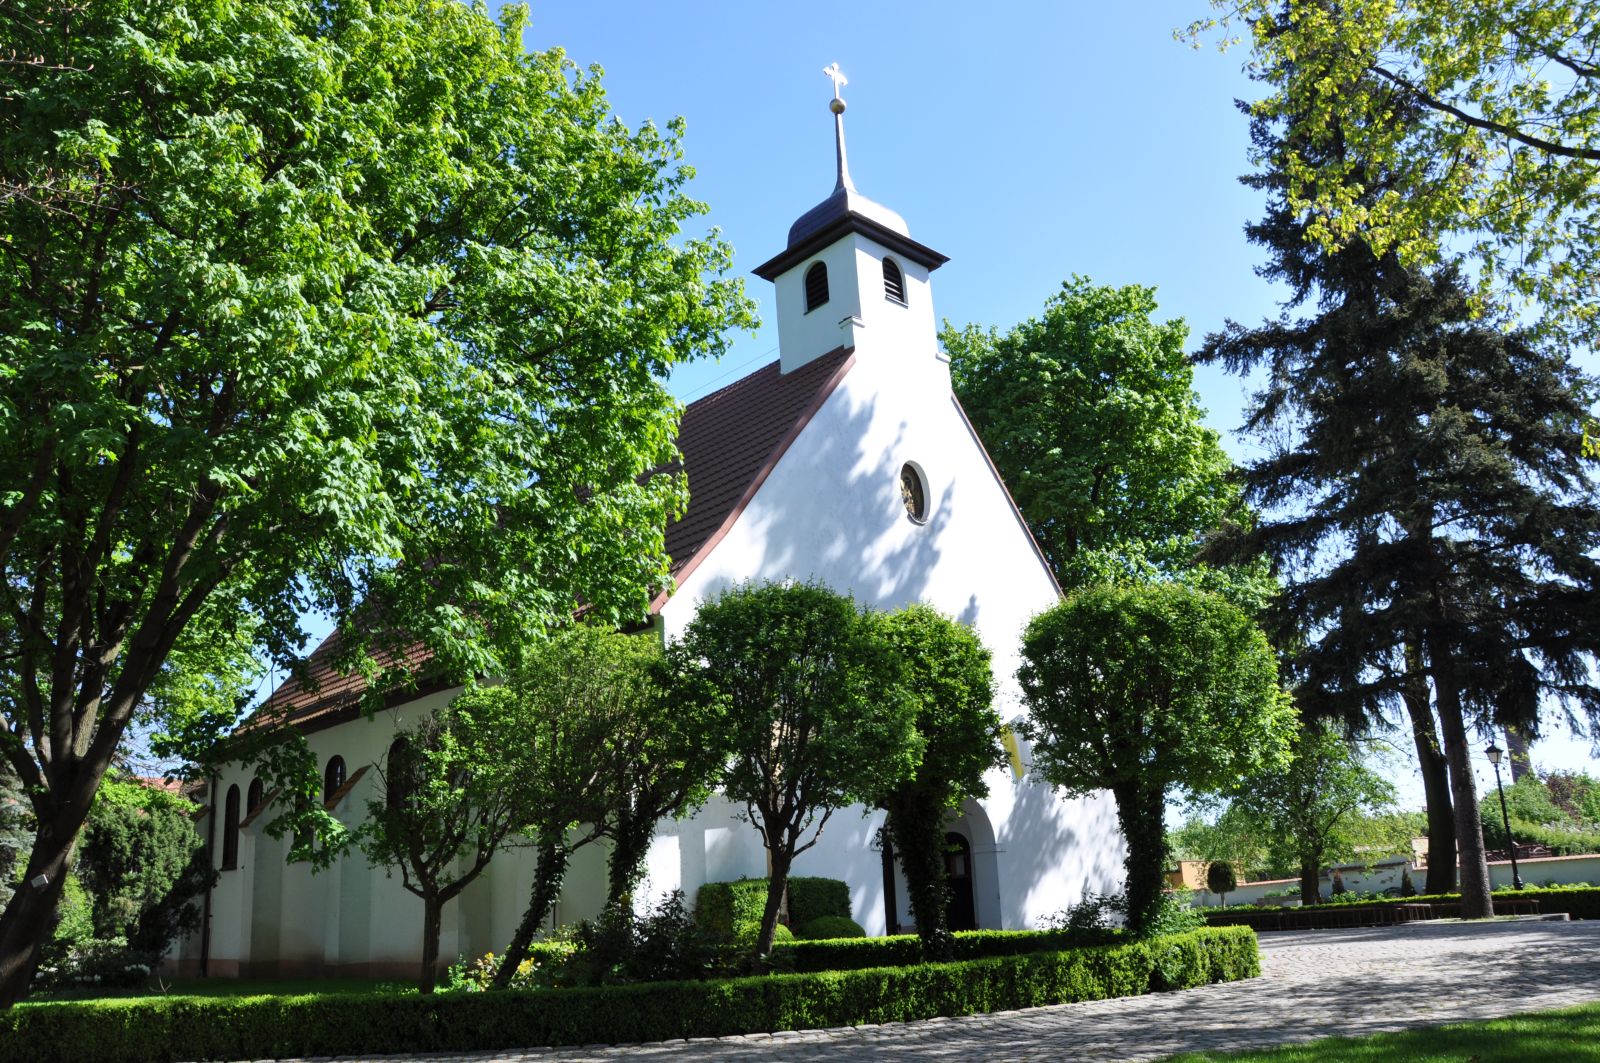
[{"x": 848, "y": 461}]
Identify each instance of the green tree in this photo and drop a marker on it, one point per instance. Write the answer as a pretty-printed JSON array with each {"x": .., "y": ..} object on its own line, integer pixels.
[
  {"x": 1091, "y": 417},
  {"x": 1227, "y": 836},
  {"x": 1313, "y": 807},
  {"x": 660, "y": 759},
  {"x": 818, "y": 717},
  {"x": 317, "y": 306},
  {"x": 592, "y": 700},
  {"x": 1221, "y": 880},
  {"x": 456, "y": 787},
  {"x": 142, "y": 862},
  {"x": 948, "y": 676},
  {"x": 1503, "y": 155},
  {"x": 1143, "y": 690},
  {"x": 1424, "y": 495}
]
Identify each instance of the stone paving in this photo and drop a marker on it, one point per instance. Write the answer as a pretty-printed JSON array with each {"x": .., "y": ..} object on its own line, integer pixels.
[{"x": 1313, "y": 984}]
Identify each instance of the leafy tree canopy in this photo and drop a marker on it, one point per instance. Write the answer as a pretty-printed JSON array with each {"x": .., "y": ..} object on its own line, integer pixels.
[
  {"x": 817, "y": 713},
  {"x": 1506, "y": 158},
  {"x": 1143, "y": 690},
  {"x": 142, "y": 863},
  {"x": 1091, "y": 417},
  {"x": 1312, "y": 809},
  {"x": 948, "y": 676},
  {"x": 311, "y": 306},
  {"x": 455, "y": 788}
]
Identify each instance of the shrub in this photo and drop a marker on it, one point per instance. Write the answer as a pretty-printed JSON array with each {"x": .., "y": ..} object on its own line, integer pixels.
[
  {"x": 167, "y": 1028},
  {"x": 724, "y": 911},
  {"x": 826, "y": 927},
  {"x": 1580, "y": 902},
  {"x": 811, "y": 899},
  {"x": 729, "y": 913}
]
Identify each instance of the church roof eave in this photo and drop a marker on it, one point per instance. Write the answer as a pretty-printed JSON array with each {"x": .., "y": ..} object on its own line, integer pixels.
[{"x": 850, "y": 221}]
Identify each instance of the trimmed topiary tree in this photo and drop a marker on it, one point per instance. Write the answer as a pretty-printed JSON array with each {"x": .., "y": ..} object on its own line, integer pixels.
[
  {"x": 816, "y": 712},
  {"x": 1221, "y": 880},
  {"x": 1144, "y": 689},
  {"x": 947, "y": 674}
]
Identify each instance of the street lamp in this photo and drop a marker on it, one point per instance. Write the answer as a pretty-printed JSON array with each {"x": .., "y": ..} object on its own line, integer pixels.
[{"x": 1493, "y": 753}]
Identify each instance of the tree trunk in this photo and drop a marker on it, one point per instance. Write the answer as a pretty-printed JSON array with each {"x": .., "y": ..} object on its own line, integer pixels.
[
  {"x": 1140, "y": 812},
  {"x": 630, "y": 844},
  {"x": 916, "y": 830},
  {"x": 26, "y": 922},
  {"x": 1476, "y": 902},
  {"x": 432, "y": 919},
  {"x": 546, "y": 890},
  {"x": 1435, "y": 775},
  {"x": 779, "y": 861},
  {"x": 1310, "y": 880}
]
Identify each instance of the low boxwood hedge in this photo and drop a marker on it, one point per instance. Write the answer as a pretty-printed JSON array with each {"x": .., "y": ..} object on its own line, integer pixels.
[
  {"x": 1577, "y": 902},
  {"x": 848, "y": 954},
  {"x": 176, "y": 1028}
]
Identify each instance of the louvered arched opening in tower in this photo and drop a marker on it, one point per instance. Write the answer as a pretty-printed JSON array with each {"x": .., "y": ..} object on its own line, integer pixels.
[
  {"x": 230, "y": 830},
  {"x": 816, "y": 286},
  {"x": 894, "y": 282}
]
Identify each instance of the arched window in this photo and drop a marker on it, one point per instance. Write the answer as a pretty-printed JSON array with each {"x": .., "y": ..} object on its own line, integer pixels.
[
  {"x": 394, "y": 773},
  {"x": 894, "y": 283},
  {"x": 816, "y": 286},
  {"x": 332, "y": 778},
  {"x": 252, "y": 800},
  {"x": 230, "y": 830}
]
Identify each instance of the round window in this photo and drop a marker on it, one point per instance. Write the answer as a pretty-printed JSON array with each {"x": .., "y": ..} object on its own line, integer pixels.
[{"x": 913, "y": 492}]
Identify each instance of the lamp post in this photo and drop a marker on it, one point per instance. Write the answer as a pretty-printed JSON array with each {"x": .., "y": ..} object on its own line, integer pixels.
[{"x": 1493, "y": 753}]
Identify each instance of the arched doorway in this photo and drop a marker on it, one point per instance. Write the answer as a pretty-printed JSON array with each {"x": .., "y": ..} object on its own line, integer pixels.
[{"x": 962, "y": 913}]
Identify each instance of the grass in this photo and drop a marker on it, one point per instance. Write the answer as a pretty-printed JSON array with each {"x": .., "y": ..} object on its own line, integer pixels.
[
  {"x": 1568, "y": 1036},
  {"x": 233, "y": 987}
]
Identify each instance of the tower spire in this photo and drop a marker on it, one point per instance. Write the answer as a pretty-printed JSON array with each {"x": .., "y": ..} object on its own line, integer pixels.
[{"x": 836, "y": 105}]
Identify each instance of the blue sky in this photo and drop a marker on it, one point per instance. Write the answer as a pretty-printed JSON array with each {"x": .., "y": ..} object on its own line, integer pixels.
[{"x": 1027, "y": 141}]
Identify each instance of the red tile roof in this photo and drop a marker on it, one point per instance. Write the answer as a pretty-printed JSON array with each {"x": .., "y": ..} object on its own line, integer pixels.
[{"x": 730, "y": 441}]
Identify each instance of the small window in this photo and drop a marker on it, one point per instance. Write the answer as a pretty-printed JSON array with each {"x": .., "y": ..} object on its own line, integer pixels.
[
  {"x": 252, "y": 801},
  {"x": 230, "y": 830},
  {"x": 914, "y": 493},
  {"x": 894, "y": 283},
  {"x": 816, "y": 286},
  {"x": 332, "y": 778}
]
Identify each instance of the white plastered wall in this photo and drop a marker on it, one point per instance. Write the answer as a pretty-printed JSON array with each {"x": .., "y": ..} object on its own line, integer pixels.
[{"x": 831, "y": 511}]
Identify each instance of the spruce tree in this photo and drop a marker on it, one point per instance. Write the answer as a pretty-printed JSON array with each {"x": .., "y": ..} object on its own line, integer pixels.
[{"x": 1423, "y": 489}]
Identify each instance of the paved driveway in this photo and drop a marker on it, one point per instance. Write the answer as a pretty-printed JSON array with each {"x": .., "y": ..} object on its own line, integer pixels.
[{"x": 1313, "y": 984}]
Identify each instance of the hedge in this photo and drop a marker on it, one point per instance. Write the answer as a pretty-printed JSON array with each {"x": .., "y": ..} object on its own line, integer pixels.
[
  {"x": 1579, "y": 903},
  {"x": 848, "y": 954},
  {"x": 168, "y": 1028},
  {"x": 731, "y": 911}
]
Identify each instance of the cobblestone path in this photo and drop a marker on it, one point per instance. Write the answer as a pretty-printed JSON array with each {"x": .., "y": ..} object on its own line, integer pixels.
[{"x": 1313, "y": 984}]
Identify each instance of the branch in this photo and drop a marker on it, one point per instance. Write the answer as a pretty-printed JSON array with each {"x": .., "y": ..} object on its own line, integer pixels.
[{"x": 1548, "y": 146}]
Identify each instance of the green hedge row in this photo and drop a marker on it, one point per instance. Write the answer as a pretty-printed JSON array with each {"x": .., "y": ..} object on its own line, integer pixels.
[
  {"x": 159, "y": 1029},
  {"x": 848, "y": 954},
  {"x": 731, "y": 911},
  {"x": 1579, "y": 903}
]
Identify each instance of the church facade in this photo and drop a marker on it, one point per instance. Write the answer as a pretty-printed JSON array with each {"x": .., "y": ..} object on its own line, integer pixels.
[{"x": 848, "y": 461}]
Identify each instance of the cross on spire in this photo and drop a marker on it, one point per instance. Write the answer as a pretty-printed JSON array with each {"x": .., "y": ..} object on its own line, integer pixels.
[
  {"x": 837, "y": 76},
  {"x": 834, "y": 74}
]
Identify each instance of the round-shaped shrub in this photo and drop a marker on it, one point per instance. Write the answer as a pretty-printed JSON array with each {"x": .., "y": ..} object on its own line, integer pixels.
[{"x": 825, "y": 927}]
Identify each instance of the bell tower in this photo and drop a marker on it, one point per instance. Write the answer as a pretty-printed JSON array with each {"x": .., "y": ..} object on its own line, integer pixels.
[{"x": 851, "y": 275}]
